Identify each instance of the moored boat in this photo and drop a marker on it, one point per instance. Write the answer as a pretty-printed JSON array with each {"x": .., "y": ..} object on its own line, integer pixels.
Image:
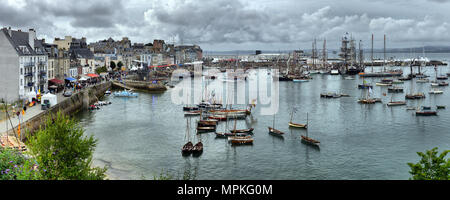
[
  {"x": 396, "y": 103},
  {"x": 426, "y": 113}
]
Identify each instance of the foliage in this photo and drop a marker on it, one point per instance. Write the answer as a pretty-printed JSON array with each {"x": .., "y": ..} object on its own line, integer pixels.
[
  {"x": 63, "y": 151},
  {"x": 112, "y": 64},
  {"x": 101, "y": 70},
  {"x": 14, "y": 166},
  {"x": 431, "y": 166},
  {"x": 120, "y": 65}
]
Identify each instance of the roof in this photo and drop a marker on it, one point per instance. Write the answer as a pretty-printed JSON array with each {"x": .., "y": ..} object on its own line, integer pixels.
[{"x": 19, "y": 39}]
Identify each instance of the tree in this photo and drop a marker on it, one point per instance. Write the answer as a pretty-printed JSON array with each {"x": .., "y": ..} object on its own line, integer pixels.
[
  {"x": 101, "y": 70},
  {"x": 119, "y": 65},
  {"x": 112, "y": 64},
  {"x": 431, "y": 166},
  {"x": 62, "y": 150}
]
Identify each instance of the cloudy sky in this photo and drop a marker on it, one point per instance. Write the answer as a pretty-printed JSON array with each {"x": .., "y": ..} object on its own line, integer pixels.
[{"x": 236, "y": 24}]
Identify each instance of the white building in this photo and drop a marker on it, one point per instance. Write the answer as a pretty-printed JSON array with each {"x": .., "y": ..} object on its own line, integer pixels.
[{"x": 23, "y": 64}]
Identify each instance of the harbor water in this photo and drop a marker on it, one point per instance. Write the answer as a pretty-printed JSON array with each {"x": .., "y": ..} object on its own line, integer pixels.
[{"x": 138, "y": 138}]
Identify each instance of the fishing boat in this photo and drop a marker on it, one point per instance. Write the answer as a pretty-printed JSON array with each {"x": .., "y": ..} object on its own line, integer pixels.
[
  {"x": 108, "y": 92},
  {"x": 396, "y": 103},
  {"x": 192, "y": 113},
  {"x": 440, "y": 107},
  {"x": 274, "y": 131},
  {"x": 330, "y": 95},
  {"x": 397, "y": 82},
  {"x": 395, "y": 90},
  {"x": 300, "y": 80},
  {"x": 442, "y": 83},
  {"x": 436, "y": 91},
  {"x": 426, "y": 113},
  {"x": 236, "y": 140},
  {"x": 423, "y": 80},
  {"x": 187, "y": 148},
  {"x": 442, "y": 78},
  {"x": 411, "y": 108},
  {"x": 188, "y": 108},
  {"x": 334, "y": 72},
  {"x": 415, "y": 96},
  {"x": 405, "y": 78},
  {"x": 249, "y": 130},
  {"x": 207, "y": 123},
  {"x": 307, "y": 139},
  {"x": 383, "y": 84},
  {"x": 205, "y": 129},
  {"x": 349, "y": 78},
  {"x": 295, "y": 125},
  {"x": 197, "y": 149},
  {"x": 125, "y": 93},
  {"x": 218, "y": 117}
]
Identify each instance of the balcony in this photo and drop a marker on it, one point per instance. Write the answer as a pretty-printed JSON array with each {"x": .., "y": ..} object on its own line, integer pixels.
[
  {"x": 42, "y": 63},
  {"x": 29, "y": 74},
  {"x": 30, "y": 84},
  {"x": 42, "y": 73},
  {"x": 29, "y": 64}
]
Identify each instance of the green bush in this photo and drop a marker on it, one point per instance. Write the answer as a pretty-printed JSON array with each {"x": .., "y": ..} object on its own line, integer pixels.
[
  {"x": 431, "y": 166},
  {"x": 63, "y": 150}
]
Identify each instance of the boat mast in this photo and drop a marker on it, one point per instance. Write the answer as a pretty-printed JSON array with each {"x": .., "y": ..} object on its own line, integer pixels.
[
  {"x": 372, "y": 53},
  {"x": 307, "y": 124},
  {"x": 384, "y": 52}
]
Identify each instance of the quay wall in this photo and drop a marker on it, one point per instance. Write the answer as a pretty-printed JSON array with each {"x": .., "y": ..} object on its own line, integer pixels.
[{"x": 69, "y": 106}]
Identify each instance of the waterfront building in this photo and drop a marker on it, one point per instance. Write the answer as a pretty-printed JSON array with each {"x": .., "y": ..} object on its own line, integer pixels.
[{"x": 23, "y": 63}]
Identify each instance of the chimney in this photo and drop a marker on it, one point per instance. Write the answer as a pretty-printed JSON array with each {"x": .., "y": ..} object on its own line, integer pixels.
[
  {"x": 31, "y": 37},
  {"x": 9, "y": 32}
]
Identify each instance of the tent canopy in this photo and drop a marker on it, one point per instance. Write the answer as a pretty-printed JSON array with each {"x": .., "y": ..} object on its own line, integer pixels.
[
  {"x": 56, "y": 81},
  {"x": 70, "y": 79},
  {"x": 92, "y": 75},
  {"x": 83, "y": 78}
]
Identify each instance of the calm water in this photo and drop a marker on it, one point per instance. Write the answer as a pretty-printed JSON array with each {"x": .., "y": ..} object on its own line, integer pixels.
[{"x": 140, "y": 137}]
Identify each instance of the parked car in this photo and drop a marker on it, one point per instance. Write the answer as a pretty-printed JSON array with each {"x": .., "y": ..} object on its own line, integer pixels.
[{"x": 67, "y": 94}]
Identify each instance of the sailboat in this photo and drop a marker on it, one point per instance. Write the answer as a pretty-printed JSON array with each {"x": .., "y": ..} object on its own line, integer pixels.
[
  {"x": 273, "y": 130},
  {"x": 364, "y": 85},
  {"x": 295, "y": 125},
  {"x": 396, "y": 103},
  {"x": 367, "y": 99},
  {"x": 239, "y": 139},
  {"x": 197, "y": 149},
  {"x": 307, "y": 139},
  {"x": 188, "y": 147}
]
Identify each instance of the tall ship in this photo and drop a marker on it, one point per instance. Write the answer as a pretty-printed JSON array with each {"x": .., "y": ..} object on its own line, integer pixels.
[{"x": 348, "y": 56}]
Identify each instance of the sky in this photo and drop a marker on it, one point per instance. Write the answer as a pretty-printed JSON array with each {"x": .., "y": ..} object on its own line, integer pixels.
[{"x": 222, "y": 25}]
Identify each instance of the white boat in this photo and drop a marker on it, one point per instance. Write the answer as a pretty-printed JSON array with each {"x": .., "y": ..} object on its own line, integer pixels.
[
  {"x": 436, "y": 91},
  {"x": 334, "y": 72},
  {"x": 383, "y": 84},
  {"x": 423, "y": 80},
  {"x": 300, "y": 80},
  {"x": 125, "y": 93}
]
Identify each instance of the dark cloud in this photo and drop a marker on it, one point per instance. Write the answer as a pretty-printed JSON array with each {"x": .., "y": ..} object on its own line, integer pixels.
[{"x": 234, "y": 23}]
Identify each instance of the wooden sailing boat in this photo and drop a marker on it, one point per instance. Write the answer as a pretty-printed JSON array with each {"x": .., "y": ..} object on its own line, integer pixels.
[
  {"x": 188, "y": 147},
  {"x": 239, "y": 139},
  {"x": 396, "y": 103},
  {"x": 307, "y": 139},
  {"x": 198, "y": 148},
  {"x": 295, "y": 125},
  {"x": 273, "y": 130}
]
